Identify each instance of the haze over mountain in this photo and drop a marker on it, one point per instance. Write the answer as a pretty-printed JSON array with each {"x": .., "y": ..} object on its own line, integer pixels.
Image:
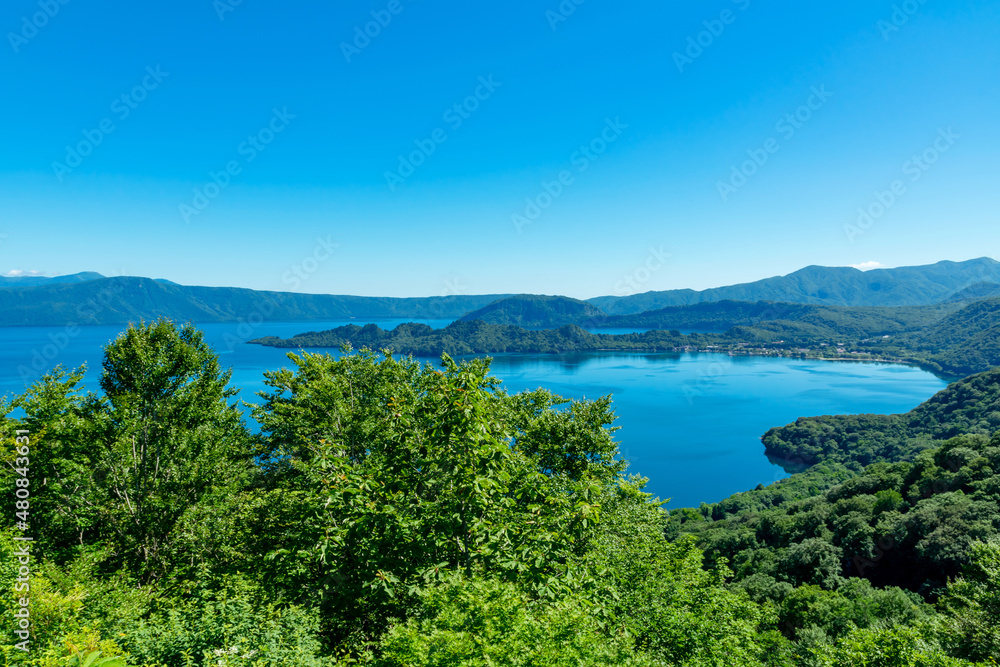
[
  {"x": 831, "y": 286},
  {"x": 35, "y": 281}
]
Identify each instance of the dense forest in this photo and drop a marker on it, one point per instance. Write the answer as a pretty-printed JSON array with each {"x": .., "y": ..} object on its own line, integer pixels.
[
  {"x": 970, "y": 406},
  {"x": 394, "y": 513},
  {"x": 477, "y": 337}
]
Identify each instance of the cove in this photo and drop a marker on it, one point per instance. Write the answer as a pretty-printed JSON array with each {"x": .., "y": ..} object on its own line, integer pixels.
[{"x": 691, "y": 423}]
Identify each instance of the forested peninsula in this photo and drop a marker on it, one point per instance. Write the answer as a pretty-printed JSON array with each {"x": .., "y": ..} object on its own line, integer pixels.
[{"x": 955, "y": 339}]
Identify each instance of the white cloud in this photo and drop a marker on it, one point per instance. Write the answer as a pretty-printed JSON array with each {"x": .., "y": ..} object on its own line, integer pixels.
[
  {"x": 867, "y": 266},
  {"x": 18, "y": 273}
]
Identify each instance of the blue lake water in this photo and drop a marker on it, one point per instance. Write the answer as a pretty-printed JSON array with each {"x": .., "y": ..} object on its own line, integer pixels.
[{"x": 690, "y": 422}]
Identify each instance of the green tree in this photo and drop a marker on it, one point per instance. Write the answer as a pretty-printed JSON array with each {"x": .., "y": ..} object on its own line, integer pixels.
[
  {"x": 63, "y": 515},
  {"x": 403, "y": 475},
  {"x": 165, "y": 437},
  {"x": 972, "y": 606}
]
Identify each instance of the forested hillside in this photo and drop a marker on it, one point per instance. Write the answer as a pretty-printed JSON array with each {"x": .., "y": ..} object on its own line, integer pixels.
[
  {"x": 395, "y": 514},
  {"x": 878, "y": 546},
  {"x": 529, "y": 311},
  {"x": 970, "y": 406},
  {"x": 828, "y": 321},
  {"x": 463, "y": 338}
]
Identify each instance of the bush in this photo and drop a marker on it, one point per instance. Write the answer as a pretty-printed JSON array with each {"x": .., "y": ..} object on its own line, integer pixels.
[
  {"x": 480, "y": 623},
  {"x": 227, "y": 628}
]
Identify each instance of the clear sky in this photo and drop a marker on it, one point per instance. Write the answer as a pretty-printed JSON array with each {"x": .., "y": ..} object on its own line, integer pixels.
[{"x": 677, "y": 144}]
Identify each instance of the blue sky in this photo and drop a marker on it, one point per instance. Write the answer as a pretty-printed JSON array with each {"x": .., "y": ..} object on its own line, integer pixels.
[{"x": 675, "y": 146}]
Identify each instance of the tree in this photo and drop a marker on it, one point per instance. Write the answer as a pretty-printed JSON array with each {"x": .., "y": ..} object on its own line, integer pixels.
[
  {"x": 62, "y": 516},
  {"x": 405, "y": 475},
  {"x": 972, "y": 606},
  {"x": 165, "y": 437}
]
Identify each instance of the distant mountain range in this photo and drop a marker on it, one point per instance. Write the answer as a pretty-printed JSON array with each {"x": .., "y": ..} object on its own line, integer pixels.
[
  {"x": 831, "y": 286},
  {"x": 90, "y": 298},
  {"x": 125, "y": 299},
  {"x": 35, "y": 281}
]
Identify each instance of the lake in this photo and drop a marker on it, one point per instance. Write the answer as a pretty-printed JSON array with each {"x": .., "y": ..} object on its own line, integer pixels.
[{"x": 690, "y": 422}]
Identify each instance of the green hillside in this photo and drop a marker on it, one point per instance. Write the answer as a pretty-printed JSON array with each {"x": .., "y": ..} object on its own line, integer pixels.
[
  {"x": 970, "y": 406},
  {"x": 848, "y": 322},
  {"x": 983, "y": 290}
]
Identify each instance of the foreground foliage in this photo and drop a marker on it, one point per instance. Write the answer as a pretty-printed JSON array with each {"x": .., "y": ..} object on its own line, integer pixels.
[{"x": 394, "y": 513}]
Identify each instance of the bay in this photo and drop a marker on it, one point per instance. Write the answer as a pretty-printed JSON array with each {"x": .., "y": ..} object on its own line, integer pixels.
[{"x": 691, "y": 423}]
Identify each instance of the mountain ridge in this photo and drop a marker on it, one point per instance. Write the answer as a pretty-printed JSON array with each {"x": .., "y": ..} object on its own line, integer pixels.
[
  {"x": 530, "y": 310},
  {"x": 121, "y": 300},
  {"x": 831, "y": 286},
  {"x": 36, "y": 281},
  {"x": 89, "y": 298}
]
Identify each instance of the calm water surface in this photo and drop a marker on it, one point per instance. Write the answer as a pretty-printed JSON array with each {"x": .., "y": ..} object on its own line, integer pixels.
[{"x": 690, "y": 422}]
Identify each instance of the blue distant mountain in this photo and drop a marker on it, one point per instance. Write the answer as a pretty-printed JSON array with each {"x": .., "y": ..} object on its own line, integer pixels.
[
  {"x": 35, "y": 281},
  {"x": 121, "y": 300},
  {"x": 40, "y": 301}
]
